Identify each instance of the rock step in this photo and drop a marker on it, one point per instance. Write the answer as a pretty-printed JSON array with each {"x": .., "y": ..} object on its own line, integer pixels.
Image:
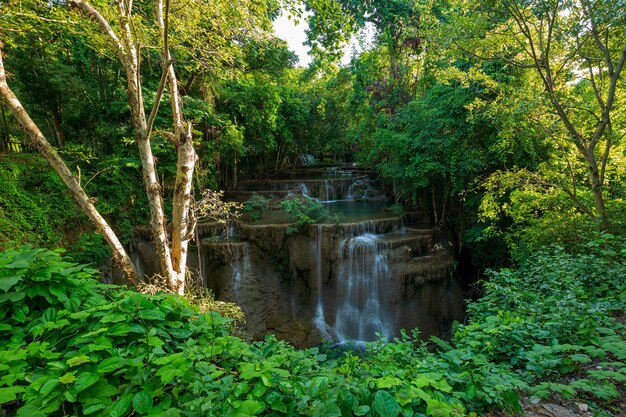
[
  {"x": 419, "y": 244},
  {"x": 312, "y": 172},
  {"x": 243, "y": 195},
  {"x": 428, "y": 268},
  {"x": 285, "y": 184}
]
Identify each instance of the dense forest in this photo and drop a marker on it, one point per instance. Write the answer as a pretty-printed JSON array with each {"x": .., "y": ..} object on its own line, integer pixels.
[{"x": 499, "y": 124}]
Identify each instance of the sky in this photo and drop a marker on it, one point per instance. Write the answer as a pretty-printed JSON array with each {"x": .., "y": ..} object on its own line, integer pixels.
[{"x": 295, "y": 37}]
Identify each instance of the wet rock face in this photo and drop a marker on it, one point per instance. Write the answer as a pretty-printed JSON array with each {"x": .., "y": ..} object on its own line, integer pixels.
[
  {"x": 328, "y": 281},
  {"x": 282, "y": 281}
]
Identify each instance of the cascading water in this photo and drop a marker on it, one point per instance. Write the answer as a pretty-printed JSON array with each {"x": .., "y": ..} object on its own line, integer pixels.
[
  {"x": 319, "y": 321},
  {"x": 136, "y": 260},
  {"x": 330, "y": 281},
  {"x": 241, "y": 267},
  {"x": 362, "y": 313},
  {"x": 364, "y": 277}
]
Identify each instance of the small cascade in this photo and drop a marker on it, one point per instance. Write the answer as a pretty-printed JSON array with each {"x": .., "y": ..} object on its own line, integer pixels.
[
  {"x": 304, "y": 190},
  {"x": 319, "y": 320},
  {"x": 364, "y": 276},
  {"x": 241, "y": 268},
  {"x": 328, "y": 193},
  {"x": 305, "y": 159},
  {"x": 136, "y": 260}
]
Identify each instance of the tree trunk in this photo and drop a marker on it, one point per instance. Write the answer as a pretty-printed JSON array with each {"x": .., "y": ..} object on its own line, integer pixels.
[
  {"x": 148, "y": 166},
  {"x": 41, "y": 144},
  {"x": 60, "y": 134},
  {"x": 127, "y": 53},
  {"x": 596, "y": 188},
  {"x": 183, "y": 198},
  {"x": 4, "y": 138}
]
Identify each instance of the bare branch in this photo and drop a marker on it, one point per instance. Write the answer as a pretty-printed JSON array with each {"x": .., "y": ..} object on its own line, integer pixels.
[{"x": 157, "y": 100}]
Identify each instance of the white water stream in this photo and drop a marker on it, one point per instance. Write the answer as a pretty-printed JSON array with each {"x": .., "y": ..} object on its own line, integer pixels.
[{"x": 364, "y": 275}]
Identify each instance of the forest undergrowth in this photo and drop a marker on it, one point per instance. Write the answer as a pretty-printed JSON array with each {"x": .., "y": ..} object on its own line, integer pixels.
[{"x": 553, "y": 327}]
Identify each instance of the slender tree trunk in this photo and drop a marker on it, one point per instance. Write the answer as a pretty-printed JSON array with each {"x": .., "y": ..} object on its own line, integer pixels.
[
  {"x": 148, "y": 167},
  {"x": 433, "y": 200},
  {"x": 596, "y": 189},
  {"x": 4, "y": 138},
  {"x": 60, "y": 134},
  {"x": 183, "y": 199},
  {"x": 41, "y": 144},
  {"x": 128, "y": 54}
]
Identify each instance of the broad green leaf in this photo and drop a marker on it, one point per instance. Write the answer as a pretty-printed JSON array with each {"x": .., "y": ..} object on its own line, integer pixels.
[
  {"x": 110, "y": 365},
  {"x": 361, "y": 410},
  {"x": 388, "y": 382},
  {"x": 114, "y": 318},
  {"x": 437, "y": 408},
  {"x": 152, "y": 314},
  {"x": 10, "y": 393},
  {"x": 385, "y": 404},
  {"x": 7, "y": 282},
  {"x": 78, "y": 360},
  {"x": 121, "y": 406},
  {"x": 142, "y": 402},
  {"x": 12, "y": 296},
  {"x": 85, "y": 380},
  {"x": 49, "y": 386},
  {"x": 92, "y": 408},
  {"x": 168, "y": 373},
  {"x": 326, "y": 408},
  {"x": 247, "y": 408}
]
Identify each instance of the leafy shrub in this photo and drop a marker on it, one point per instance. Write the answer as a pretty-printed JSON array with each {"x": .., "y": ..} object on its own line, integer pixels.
[
  {"x": 69, "y": 345},
  {"x": 396, "y": 209},
  {"x": 555, "y": 316},
  {"x": 256, "y": 205},
  {"x": 304, "y": 212},
  {"x": 35, "y": 207},
  {"x": 72, "y": 346}
]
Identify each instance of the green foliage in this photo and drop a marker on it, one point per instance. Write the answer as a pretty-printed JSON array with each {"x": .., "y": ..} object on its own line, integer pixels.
[
  {"x": 527, "y": 213},
  {"x": 256, "y": 205},
  {"x": 556, "y": 315},
  {"x": 71, "y": 345},
  {"x": 396, "y": 209},
  {"x": 304, "y": 212},
  {"x": 35, "y": 206}
]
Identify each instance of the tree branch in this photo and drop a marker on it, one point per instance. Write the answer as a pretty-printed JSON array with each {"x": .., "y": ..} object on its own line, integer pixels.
[
  {"x": 157, "y": 100},
  {"x": 95, "y": 16}
]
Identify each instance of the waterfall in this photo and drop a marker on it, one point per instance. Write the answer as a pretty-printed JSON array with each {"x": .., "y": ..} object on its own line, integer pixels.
[
  {"x": 305, "y": 191},
  {"x": 136, "y": 260},
  {"x": 329, "y": 192},
  {"x": 241, "y": 267},
  {"x": 305, "y": 159},
  {"x": 362, "y": 290},
  {"x": 319, "y": 321}
]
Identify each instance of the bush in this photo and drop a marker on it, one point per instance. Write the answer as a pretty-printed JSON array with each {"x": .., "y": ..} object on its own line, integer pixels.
[
  {"x": 35, "y": 207},
  {"x": 256, "y": 205},
  {"x": 69, "y": 345},
  {"x": 72, "y": 346},
  {"x": 557, "y": 315},
  {"x": 304, "y": 212}
]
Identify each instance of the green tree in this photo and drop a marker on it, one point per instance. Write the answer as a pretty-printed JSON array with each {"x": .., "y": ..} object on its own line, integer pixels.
[
  {"x": 576, "y": 51},
  {"x": 137, "y": 34}
]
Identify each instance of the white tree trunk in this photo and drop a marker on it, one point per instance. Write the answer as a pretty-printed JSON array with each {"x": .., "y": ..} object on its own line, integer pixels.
[
  {"x": 183, "y": 188},
  {"x": 173, "y": 259}
]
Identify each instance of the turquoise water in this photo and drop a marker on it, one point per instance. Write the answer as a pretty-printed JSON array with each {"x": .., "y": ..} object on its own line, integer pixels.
[{"x": 340, "y": 211}]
